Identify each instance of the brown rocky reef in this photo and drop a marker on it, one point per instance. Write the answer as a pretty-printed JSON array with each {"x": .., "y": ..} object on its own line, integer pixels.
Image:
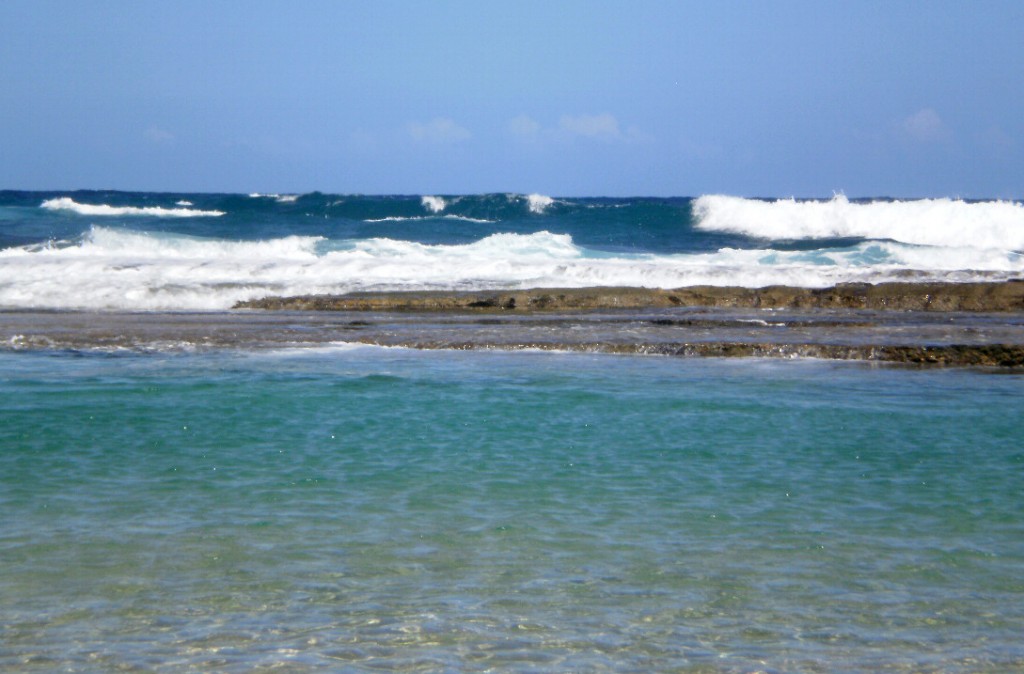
[{"x": 899, "y": 296}]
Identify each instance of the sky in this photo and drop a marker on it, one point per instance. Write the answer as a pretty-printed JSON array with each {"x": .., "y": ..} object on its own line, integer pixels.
[{"x": 571, "y": 98}]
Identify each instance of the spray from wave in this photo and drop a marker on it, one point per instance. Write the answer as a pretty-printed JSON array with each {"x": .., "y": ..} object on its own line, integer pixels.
[
  {"x": 279, "y": 198},
  {"x": 433, "y": 204},
  {"x": 932, "y": 222},
  {"x": 538, "y": 203}
]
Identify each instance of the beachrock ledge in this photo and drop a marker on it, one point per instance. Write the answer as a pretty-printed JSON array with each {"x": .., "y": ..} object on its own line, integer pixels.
[
  {"x": 951, "y": 355},
  {"x": 973, "y": 297},
  {"x": 946, "y": 324}
]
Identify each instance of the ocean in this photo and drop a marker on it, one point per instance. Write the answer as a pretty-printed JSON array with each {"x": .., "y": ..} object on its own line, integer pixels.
[
  {"x": 243, "y": 504},
  {"x": 182, "y": 252}
]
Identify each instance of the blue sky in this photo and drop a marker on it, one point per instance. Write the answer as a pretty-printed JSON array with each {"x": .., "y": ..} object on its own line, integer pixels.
[{"x": 564, "y": 98}]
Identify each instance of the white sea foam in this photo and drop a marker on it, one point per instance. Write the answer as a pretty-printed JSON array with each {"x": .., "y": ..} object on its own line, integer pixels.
[
  {"x": 105, "y": 241},
  {"x": 496, "y": 248},
  {"x": 450, "y": 216},
  {"x": 433, "y": 204},
  {"x": 305, "y": 350},
  {"x": 69, "y": 204},
  {"x": 538, "y": 203},
  {"x": 935, "y": 222},
  {"x": 299, "y": 351},
  {"x": 279, "y": 198},
  {"x": 114, "y": 269}
]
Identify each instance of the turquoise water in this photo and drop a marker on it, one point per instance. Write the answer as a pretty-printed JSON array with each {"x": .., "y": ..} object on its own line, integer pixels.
[{"x": 368, "y": 509}]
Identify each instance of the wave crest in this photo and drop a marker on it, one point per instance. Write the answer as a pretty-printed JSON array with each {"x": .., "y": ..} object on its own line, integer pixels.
[
  {"x": 113, "y": 268},
  {"x": 538, "y": 203},
  {"x": 933, "y": 222},
  {"x": 433, "y": 204},
  {"x": 69, "y": 204},
  {"x": 426, "y": 218}
]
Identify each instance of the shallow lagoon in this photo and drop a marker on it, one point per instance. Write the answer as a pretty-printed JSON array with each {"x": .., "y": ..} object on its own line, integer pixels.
[{"x": 365, "y": 508}]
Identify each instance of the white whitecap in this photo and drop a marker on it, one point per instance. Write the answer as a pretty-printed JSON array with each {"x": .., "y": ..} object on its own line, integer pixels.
[
  {"x": 493, "y": 249},
  {"x": 450, "y": 216},
  {"x": 433, "y": 204},
  {"x": 934, "y": 222},
  {"x": 116, "y": 269},
  {"x": 538, "y": 203},
  {"x": 69, "y": 204}
]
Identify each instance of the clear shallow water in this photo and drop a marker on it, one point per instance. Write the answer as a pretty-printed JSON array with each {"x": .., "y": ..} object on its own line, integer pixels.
[{"x": 385, "y": 509}]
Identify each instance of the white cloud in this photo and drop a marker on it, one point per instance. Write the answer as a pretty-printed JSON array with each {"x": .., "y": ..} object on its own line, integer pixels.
[
  {"x": 156, "y": 134},
  {"x": 925, "y": 126},
  {"x": 438, "y": 130},
  {"x": 995, "y": 140},
  {"x": 603, "y": 127},
  {"x": 524, "y": 126}
]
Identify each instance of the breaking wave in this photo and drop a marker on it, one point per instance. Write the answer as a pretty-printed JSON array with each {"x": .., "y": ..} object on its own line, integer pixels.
[
  {"x": 538, "y": 203},
  {"x": 69, "y": 204},
  {"x": 414, "y": 218},
  {"x": 933, "y": 222},
  {"x": 433, "y": 204},
  {"x": 115, "y": 269}
]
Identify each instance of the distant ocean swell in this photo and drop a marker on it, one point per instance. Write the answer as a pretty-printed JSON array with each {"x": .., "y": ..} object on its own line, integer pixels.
[
  {"x": 206, "y": 252},
  {"x": 499, "y": 205}
]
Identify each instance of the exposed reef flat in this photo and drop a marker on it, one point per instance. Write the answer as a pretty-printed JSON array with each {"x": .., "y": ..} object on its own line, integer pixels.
[
  {"x": 955, "y": 338},
  {"x": 964, "y": 324},
  {"x": 944, "y": 297}
]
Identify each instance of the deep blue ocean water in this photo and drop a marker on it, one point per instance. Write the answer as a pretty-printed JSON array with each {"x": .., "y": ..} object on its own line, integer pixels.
[{"x": 351, "y": 508}]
